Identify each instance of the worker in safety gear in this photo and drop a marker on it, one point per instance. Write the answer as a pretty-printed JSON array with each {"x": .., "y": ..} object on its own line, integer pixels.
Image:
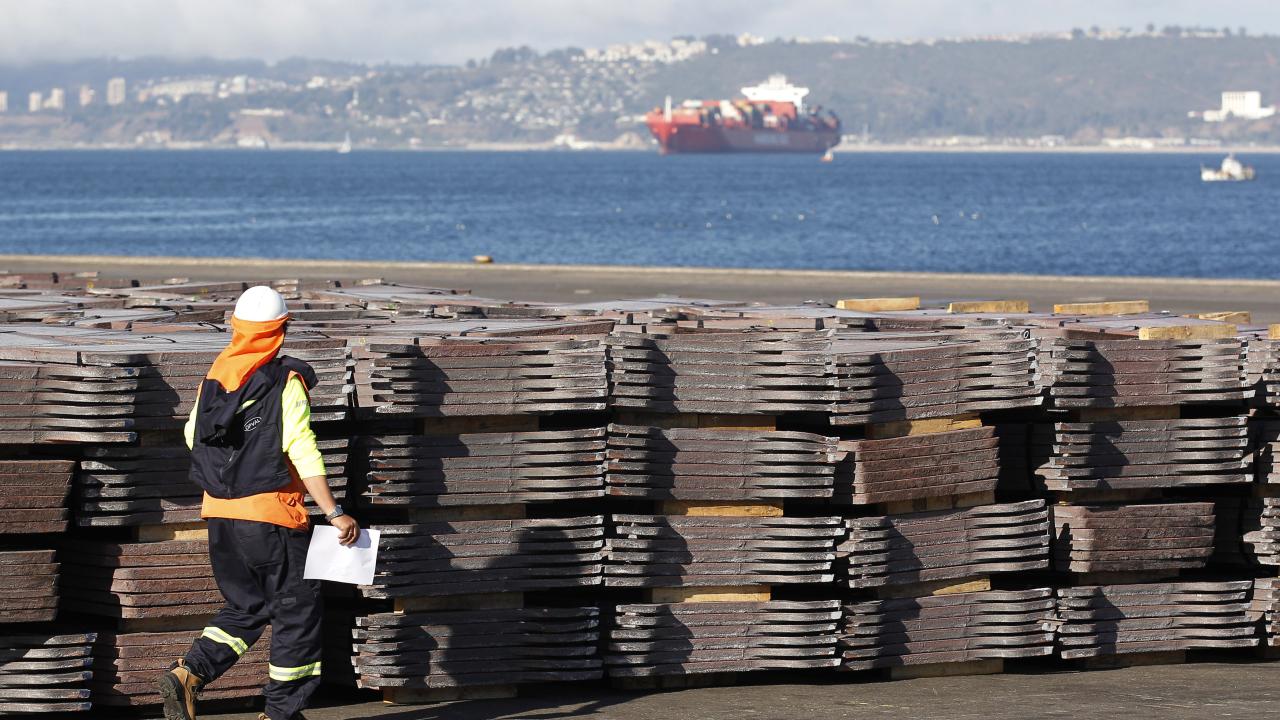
[{"x": 254, "y": 454}]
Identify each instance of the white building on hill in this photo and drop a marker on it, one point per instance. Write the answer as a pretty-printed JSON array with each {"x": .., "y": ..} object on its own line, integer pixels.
[
  {"x": 1239, "y": 105},
  {"x": 115, "y": 91},
  {"x": 57, "y": 100}
]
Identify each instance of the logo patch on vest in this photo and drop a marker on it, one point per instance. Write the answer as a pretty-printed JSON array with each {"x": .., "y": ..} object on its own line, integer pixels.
[{"x": 252, "y": 423}]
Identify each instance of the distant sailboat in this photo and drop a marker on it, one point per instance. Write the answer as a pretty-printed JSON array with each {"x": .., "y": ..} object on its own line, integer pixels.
[
  {"x": 828, "y": 156},
  {"x": 345, "y": 147}
]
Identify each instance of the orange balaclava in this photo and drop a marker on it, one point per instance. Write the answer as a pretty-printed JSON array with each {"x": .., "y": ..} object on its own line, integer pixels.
[{"x": 253, "y": 344}]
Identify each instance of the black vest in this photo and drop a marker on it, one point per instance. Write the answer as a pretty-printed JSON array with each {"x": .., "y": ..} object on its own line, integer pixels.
[{"x": 236, "y": 453}]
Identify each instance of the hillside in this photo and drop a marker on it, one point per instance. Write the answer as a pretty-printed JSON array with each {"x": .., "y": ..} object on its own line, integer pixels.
[
  {"x": 1138, "y": 86},
  {"x": 1084, "y": 89}
]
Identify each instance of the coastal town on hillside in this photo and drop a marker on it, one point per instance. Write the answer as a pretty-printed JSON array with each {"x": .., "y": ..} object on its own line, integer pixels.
[{"x": 575, "y": 98}]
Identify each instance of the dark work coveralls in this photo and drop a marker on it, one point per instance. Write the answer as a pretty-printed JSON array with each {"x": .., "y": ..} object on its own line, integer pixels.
[{"x": 258, "y": 563}]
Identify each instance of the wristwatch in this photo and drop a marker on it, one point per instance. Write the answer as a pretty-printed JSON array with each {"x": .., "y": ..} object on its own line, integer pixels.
[{"x": 337, "y": 513}]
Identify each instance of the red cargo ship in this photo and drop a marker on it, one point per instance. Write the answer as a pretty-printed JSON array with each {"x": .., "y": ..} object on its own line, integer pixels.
[{"x": 771, "y": 117}]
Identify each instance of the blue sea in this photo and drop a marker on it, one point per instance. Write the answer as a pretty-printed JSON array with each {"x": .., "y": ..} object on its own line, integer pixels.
[{"x": 1007, "y": 213}]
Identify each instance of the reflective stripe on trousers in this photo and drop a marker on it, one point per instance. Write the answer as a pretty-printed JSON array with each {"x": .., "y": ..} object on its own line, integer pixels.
[
  {"x": 280, "y": 674},
  {"x": 220, "y": 635}
]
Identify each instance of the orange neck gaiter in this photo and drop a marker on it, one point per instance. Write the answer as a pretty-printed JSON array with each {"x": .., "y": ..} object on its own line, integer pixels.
[{"x": 253, "y": 344}]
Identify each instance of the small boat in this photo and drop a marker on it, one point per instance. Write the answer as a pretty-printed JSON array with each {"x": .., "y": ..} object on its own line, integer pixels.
[
  {"x": 345, "y": 147},
  {"x": 828, "y": 156},
  {"x": 1232, "y": 170}
]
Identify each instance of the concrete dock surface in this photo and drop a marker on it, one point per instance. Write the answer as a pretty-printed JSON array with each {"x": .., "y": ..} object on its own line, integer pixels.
[
  {"x": 588, "y": 283},
  {"x": 1200, "y": 691}
]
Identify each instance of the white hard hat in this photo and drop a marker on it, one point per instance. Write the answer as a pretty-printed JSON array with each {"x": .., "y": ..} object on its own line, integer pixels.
[{"x": 260, "y": 304}]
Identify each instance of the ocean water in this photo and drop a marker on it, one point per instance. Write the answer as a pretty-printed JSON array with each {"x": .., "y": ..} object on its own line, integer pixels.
[{"x": 1007, "y": 213}]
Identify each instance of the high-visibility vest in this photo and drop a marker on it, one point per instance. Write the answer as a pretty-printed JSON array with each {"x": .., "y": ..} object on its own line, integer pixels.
[{"x": 235, "y": 449}]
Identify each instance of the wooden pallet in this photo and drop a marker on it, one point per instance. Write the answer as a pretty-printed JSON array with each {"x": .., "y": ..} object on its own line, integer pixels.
[
  {"x": 170, "y": 531},
  {"x": 939, "y": 502},
  {"x": 194, "y": 623},
  {"x": 677, "y": 682},
  {"x": 1108, "y": 495},
  {"x": 421, "y": 696},
  {"x": 926, "y": 426},
  {"x": 977, "y": 583},
  {"x": 478, "y": 424},
  {"x": 973, "y": 667},
  {"x": 705, "y": 421},
  {"x": 1138, "y": 412},
  {"x": 1125, "y": 577}
]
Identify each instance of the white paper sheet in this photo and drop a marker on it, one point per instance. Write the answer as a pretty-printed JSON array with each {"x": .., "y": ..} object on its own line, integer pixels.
[{"x": 327, "y": 559}]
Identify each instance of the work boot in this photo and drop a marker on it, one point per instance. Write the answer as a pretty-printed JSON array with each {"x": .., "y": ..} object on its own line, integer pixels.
[{"x": 179, "y": 689}]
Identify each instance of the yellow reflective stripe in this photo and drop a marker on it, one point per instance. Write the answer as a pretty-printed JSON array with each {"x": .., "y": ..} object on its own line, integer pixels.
[
  {"x": 219, "y": 635},
  {"x": 280, "y": 674}
]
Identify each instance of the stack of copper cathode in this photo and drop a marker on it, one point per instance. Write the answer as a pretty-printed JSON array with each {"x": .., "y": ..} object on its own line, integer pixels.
[
  {"x": 1133, "y": 537},
  {"x": 30, "y": 593},
  {"x": 485, "y": 556},
  {"x": 1154, "y": 617},
  {"x": 477, "y": 647},
  {"x": 695, "y": 464},
  {"x": 125, "y": 666},
  {"x": 688, "y": 638},
  {"x": 943, "y": 464},
  {"x": 1145, "y": 453},
  {"x": 480, "y": 377},
  {"x": 44, "y": 668},
  {"x": 1123, "y": 373},
  {"x": 45, "y": 673},
  {"x": 33, "y": 495},
  {"x": 903, "y": 376},
  {"x": 140, "y": 580},
  {"x": 683, "y": 550},
  {"x": 1264, "y": 608},
  {"x": 946, "y": 544},
  {"x": 957, "y": 628},
  {"x": 747, "y": 373},
  {"x": 484, "y": 468}
]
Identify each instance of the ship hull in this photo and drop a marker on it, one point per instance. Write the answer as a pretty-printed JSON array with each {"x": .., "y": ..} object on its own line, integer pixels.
[{"x": 678, "y": 138}]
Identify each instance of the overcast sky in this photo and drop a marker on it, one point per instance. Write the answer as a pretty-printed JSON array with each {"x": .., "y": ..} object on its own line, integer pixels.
[{"x": 451, "y": 31}]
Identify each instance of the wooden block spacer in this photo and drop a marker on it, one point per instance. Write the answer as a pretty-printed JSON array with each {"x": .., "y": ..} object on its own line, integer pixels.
[
  {"x": 926, "y": 426},
  {"x": 990, "y": 306},
  {"x": 1106, "y": 307},
  {"x": 885, "y": 304}
]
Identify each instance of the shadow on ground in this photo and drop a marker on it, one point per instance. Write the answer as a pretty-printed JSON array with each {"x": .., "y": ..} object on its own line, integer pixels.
[{"x": 1177, "y": 692}]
